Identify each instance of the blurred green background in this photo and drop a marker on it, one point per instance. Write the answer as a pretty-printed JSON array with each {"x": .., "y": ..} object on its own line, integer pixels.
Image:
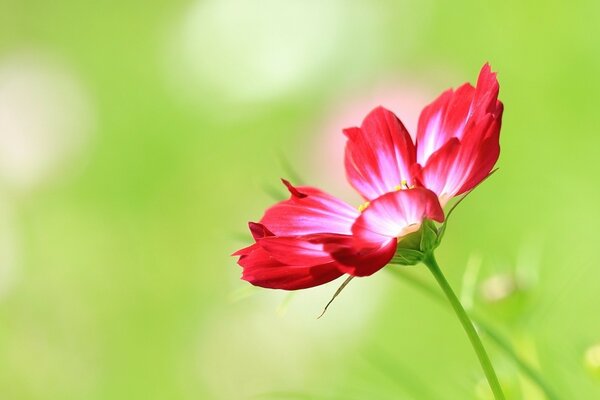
[{"x": 138, "y": 138}]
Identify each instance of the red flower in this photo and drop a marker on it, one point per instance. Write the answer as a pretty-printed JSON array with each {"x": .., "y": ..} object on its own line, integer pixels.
[
  {"x": 313, "y": 237},
  {"x": 457, "y": 144}
]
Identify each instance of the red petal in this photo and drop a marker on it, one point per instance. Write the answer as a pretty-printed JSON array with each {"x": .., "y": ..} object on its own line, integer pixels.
[
  {"x": 258, "y": 231},
  {"x": 387, "y": 218},
  {"x": 485, "y": 158},
  {"x": 396, "y": 214},
  {"x": 261, "y": 269},
  {"x": 457, "y": 139},
  {"x": 246, "y": 250},
  {"x": 297, "y": 250},
  {"x": 361, "y": 259},
  {"x": 293, "y": 190},
  {"x": 455, "y": 112},
  {"x": 458, "y": 167},
  {"x": 433, "y": 130},
  {"x": 308, "y": 211},
  {"x": 443, "y": 174},
  {"x": 379, "y": 154}
]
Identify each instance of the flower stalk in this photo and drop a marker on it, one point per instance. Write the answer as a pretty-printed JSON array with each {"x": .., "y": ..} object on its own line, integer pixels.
[
  {"x": 488, "y": 330},
  {"x": 468, "y": 326}
]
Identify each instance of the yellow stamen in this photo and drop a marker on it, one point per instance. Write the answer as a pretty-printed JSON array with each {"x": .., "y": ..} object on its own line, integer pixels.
[
  {"x": 403, "y": 185},
  {"x": 363, "y": 206}
]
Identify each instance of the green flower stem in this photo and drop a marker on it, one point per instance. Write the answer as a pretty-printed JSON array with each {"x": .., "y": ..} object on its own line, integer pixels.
[
  {"x": 464, "y": 319},
  {"x": 487, "y": 329}
]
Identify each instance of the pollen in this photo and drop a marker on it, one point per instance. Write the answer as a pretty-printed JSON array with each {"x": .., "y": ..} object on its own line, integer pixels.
[
  {"x": 403, "y": 185},
  {"x": 363, "y": 206}
]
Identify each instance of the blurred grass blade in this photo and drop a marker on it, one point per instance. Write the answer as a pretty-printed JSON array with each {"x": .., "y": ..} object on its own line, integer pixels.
[
  {"x": 289, "y": 170},
  {"x": 400, "y": 375},
  {"x": 285, "y": 304},
  {"x": 273, "y": 193},
  {"x": 469, "y": 281}
]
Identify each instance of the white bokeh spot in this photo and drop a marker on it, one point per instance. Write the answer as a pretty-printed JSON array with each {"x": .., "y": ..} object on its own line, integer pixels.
[
  {"x": 45, "y": 119},
  {"x": 244, "y": 50}
]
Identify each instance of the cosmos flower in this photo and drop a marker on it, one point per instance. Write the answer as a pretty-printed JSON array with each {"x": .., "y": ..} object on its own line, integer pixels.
[
  {"x": 456, "y": 146},
  {"x": 313, "y": 237}
]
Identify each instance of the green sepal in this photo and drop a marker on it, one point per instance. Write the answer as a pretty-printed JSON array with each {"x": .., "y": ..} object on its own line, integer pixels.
[
  {"x": 413, "y": 247},
  {"x": 409, "y": 251},
  {"x": 429, "y": 236},
  {"x": 411, "y": 241},
  {"x": 406, "y": 256},
  {"x": 441, "y": 232}
]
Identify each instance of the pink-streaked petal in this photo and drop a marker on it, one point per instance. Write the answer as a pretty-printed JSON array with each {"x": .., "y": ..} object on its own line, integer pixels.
[
  {"x": 362, "y": 259},
  {"x": 258, "y": 231},
  {"x": 245, "y": 250},
  {"x": 486, "y": 93},
  {"x": 443, "y": 174},
  {"x": 397, "y": 214},
  {"x": 457, "y": 167},
  {"x": 261, "y": 269},
  {"x": 379, "y": 154},
  {"x": 454, "y": 113},
  {"x": 307, "y": 211},
  {"x": 432, "y": 132},
  {"x": 376, "y": 231},
  {"x": 295, "y": 250},
  {"x": 485, "y": 159}
]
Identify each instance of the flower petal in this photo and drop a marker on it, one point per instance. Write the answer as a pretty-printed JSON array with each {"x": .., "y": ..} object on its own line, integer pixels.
[
  {"x": 295, "y": 250},
  {"x": 307, "y": 211},
  {"x": 458, "y": 137},
  {"x": 379, "y": 154},
  {"x": 443, "y": 174},
  {"x": 397, "y": 214},
  {"x": 258, "y": 231},
  {"x": 261, "y": 269},
  {"x": 375, "y": 232},
  {"x": 432, "y": 133},
  {"x": 457, "y": 167},
  {"x": 359, "y": 258},
  {"x": 485, "y": 155},
  {"x": 455, "y": 112}
]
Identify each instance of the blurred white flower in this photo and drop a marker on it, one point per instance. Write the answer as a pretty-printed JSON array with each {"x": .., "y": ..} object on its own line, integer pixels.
[
  {"x": 45, "y": 119},
  {"x": 592, "y": 359},
  {"x": 498, "y": 287},
  {"x": 251, "y": 348}
]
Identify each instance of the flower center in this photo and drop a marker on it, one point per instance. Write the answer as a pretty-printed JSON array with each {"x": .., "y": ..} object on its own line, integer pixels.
[
  {"x": 402, "y": 186},
  {"x": 363, "y": 206}
]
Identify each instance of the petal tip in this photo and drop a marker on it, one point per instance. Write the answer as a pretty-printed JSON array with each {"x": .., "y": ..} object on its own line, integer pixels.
[
  {"x": 259, "y": 231},
  {"x": 293, "y": 190}
]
